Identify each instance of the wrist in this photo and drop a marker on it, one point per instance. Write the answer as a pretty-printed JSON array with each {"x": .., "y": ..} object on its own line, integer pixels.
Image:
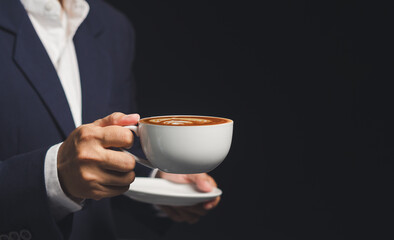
[
  {"x": 60, "y": 204},
  {"x": 60, "y": 166}
]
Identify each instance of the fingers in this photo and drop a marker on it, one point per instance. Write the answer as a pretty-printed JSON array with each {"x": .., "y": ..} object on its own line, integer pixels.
[
  {"x": 118, "y": 118},
  {"x": 116, "y": 136},
  {"x": 211, "y": 204},
  {"x": 110, "y": 136},
  {"x": 102, "y": 191},
  {"x": 203, "y": 181},
  {"x": 112, "y": 191},
  {"x": 177, "y": 178},
  {"x": 117, "y": 161},
  {"x": 191, "y": 214},
  {"x": 87, "y": 168},
  {"x": 101, "y": 183},
  {"x": 107, "y": 166},
  {"x": 116, "y": 179},
  {"x": 92, "y": 143}
]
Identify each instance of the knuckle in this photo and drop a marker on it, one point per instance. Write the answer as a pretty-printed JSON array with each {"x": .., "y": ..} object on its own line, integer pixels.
[
  {"x": 114, "y": 116},
  {"x": 86, "y": 133},
  {"x": 126, "y": 136},
  {"x": 126, "y": 180},
  {"x": 84, "y": 154},
  {"x": 130, "y": 164},
  {"x": 127, "y": 164},
  {"x": 87, "y": 177}
]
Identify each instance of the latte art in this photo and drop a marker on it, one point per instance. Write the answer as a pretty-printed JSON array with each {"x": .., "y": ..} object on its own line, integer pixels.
[
  {"x": 184, "y": 120},
  {"x": 180, "y": 121}
]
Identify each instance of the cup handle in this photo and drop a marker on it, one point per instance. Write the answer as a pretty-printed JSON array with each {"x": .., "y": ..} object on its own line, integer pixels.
[
  {"x": 142, "y": 161},
  {"x": 133, "y": 128}
]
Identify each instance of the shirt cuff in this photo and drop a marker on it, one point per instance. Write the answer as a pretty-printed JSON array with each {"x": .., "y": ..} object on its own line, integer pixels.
[{"x": 60, "y": 205}]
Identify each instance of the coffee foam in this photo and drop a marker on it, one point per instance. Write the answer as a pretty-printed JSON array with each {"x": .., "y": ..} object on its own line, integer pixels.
[
  {"x": 179, "y": 121},
  {"x": 184, "y": 120}
]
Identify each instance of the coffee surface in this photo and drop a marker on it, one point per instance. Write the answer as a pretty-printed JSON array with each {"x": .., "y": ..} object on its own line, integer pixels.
[{"x": 184, "y": 120}]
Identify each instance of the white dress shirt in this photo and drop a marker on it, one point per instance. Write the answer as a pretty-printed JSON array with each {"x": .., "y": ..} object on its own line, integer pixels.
[{"x": 56, "y": 26}]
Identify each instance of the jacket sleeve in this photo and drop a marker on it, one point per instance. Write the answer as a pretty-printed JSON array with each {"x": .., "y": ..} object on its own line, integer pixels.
[{"x": 24, "y": 207}]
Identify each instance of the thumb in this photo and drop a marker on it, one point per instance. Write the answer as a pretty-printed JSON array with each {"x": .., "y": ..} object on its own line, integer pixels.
[{"x": 118, "y": 118}]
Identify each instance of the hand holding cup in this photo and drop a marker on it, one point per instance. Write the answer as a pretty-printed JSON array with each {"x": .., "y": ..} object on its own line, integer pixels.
[{"x": 88, "y": 167}]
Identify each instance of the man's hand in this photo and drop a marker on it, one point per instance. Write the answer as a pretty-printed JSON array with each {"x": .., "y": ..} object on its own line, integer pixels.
[
  {"x": 88, "y": 168},
  {"x": 190, "y": 214}
]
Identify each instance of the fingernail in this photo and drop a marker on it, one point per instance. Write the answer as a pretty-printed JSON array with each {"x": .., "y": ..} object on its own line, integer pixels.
[
  {"x": 132, "y": 116},
  {"x": 208, "y": 185}
]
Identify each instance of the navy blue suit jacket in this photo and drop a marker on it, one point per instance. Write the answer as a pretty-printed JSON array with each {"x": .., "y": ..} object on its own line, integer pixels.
[{"x": 35, "y": 114}]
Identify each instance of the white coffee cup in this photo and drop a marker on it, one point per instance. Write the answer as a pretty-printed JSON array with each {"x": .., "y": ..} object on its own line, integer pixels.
[{"x": 181, "y": 148}]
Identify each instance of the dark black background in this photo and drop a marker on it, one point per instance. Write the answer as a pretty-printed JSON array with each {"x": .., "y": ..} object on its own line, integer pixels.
[{"x": 308, "y": 84}]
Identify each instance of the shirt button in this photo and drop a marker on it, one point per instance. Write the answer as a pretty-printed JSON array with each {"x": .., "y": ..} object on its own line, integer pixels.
[
  {"x": 13, "y": 236},
  {"x": 48, "y": 6},
  {"x": 25, "y": 234}
]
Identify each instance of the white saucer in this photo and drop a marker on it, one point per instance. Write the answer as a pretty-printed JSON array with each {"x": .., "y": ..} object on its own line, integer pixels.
[{"x": 162, "y": 192}]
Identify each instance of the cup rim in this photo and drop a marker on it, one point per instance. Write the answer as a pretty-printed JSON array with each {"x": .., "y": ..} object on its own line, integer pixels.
[{"x": 230, "y": 121}]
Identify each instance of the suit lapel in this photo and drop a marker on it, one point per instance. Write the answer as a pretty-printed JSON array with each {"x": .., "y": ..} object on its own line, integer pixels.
[{"x": 33, "y": 60}]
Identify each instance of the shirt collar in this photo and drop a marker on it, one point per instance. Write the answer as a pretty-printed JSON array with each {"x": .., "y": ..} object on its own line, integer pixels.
[{"x": 51, "y": 9}]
